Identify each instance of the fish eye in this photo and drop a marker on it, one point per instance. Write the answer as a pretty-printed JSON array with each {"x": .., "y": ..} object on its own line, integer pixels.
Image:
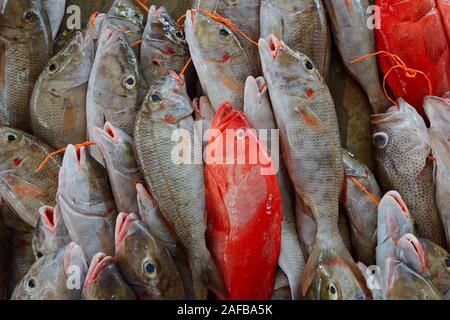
[
  {"x": 12, "y": 137},
  {"x": 179, "y": 34},
  {"x": 28, "y": 16},
  {"x": 130, "y": 82},
  {"x": 53, "y": 67},
  {"x": 351, "y": 154},
  {"x": 333, "y": 291},
  {"x": 308, "y": 65},
  {"x": 380, "y": 140},
  {"x": 39, "y": 254},
  {"x": 224, "y": 32},
  {"x": 156, "y": 98},
  {"x": 149, "y": 268},
  {"x": 31, "y": 284}
]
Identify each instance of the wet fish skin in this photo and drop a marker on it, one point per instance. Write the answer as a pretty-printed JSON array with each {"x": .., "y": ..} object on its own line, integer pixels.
[
  {"x": 221, "y": 62},
  {"x": 203, "y": 116},
  {"x": 163, "y": 47},
  {"x": 258, "y": 110},
  {"x": 86, "y": 202},
  {"x": 361, "y": 210},
  {"x": 115, "y": 86},
  {"x": 48, "y": 278},
  {"x": 399, "y": 282},
  {"x": 20, "y": 186},
  {"x": 25, "y": 48},
  {"x": 58, "y": 104},
  {"x": 438, "y": 111},
  {"x": 402, "y": 147},
  {"x": 50, "y": 233},
  {"x": 354, "y": 40},
  {"x": 117, "y": 149},
  {"x": 177, "y": 189},
  {"x": 55, "y": 10},
  {"x": 302, "y": 25},
  {"x": 104, "y": 281},
  {"x": 145, "y": 262},
  {"x": 304, "y": 112}
]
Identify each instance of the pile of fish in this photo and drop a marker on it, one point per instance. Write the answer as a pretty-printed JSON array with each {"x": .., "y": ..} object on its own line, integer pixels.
[{"x": 121, "y": 148}]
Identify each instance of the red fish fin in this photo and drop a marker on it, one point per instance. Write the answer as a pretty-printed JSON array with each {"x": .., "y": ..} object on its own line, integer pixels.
[
  {"x": 24, "y": 189},
  {"x": 436, "y": 42},
  {"x": 215, "y": 280},
  {"x": 311, "y": 267}
]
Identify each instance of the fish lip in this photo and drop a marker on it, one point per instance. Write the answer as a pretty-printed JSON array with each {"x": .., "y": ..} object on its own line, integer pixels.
[
  {"x": 143, "y": 193},
  {"x": 402, "y": 205},
  {"x": 73, "y": 250},
  {"x": 108, "y": 133},
  {"x": 123, "y": 224},
  {"x": 77, "y": 155},
  {"x": 99, "y": 262},
  {"x": 44, "y": 213},
  {"x": 418, "y": 248}
]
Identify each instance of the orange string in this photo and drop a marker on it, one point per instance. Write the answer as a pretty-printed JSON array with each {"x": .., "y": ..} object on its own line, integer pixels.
[
  {"x": 431, "y": 158},
  {"x": 77, "y": 146},
  {"x": 136, "y": 43},
  {"x": 409, "y": 72},
  {"x": 179, "y": 24},
  {"x": 142, "y": 5},
  {"x": 185, "y": 67},
  {"x": 371, "y": 196},
  {"x": 92, "y": 19}
]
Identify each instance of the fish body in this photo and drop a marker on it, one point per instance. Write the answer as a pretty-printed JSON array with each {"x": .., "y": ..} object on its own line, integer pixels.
[
  {"x": 176, "y": 179},
  {"x": 20, "y": 186},
  {"x": 50, "y": 233},
  {"x": 221, "y": 62},
  {"x": 302, "y": 25},
  {"x": 58, "y": 104},
  {"x": 401, "y": 151},
  {"x": 25, "y": 48},
  {"x": 104, "y": 281},
  {"x": 354, "y": 39},
  {"x": 55, "y": 10},
  {"x": 117, "y": 150},
  {"x": 244, "y": 238},
  {"x": 86, "y": 202},
  {"x": 304, "y": 112},
  {"x": 58, "y": 276},
  {"x": 361, "y": 208},
  {"x": 258, "y": 111},
  {"x": 414, "y": 31}
]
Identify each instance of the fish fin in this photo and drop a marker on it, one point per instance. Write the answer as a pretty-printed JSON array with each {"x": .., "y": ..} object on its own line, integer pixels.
[
  {"x": 24, "y": 189},
  {"x": 435, "y": 46},
  {"x": 215, "y": 280},
  {"x": 311, "y": 266}
]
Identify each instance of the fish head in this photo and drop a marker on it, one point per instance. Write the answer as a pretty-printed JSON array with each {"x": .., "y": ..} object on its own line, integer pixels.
[
  {"x": 50, "y": 276},
  {"x": 338, "y": 279},
  {"x": 410, "y": 251},
  {"x": 401, "y": 140},
  {"x": 145, "y": 263},
  {"x": 167, "y": 100},
  {"x": 163, "y": 35},
  {"x": 257, "y": 105},
  {"x": 211, "y": 40},
  {"x": 438, "y": 112},
  {"x": 352, "y": 166},
  {"x": 116, "y": 146},
  {"x": 394, "y": 218},
  {"x": 127, "y": 10},
  {"x": 99, "y": 267},
  {"x": 71, "y": 67},
  {"x": 45, "y": 231}
]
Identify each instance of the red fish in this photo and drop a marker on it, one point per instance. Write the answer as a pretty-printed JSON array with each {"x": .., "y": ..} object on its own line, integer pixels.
[
  {"x": 244, "y": 208},
  {"x": 414, "y": 30}
]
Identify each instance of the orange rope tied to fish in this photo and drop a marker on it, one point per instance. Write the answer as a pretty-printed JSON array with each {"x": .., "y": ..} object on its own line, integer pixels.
[
  {"x": 77, "y": 146},
  {"x": 360, "y": 186},
  {"x": 142, "y": 5},
  {"x": 400, "y": 64},
  {"x": 92, "y": 19}
]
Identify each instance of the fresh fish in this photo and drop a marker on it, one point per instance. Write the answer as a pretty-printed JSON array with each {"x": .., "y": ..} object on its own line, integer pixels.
[
  {"x": 58, "y": 276},
  {"x": 203, "y": 116},
  {"x": 222, "y": 64},
  {"x": 438, "y": 111},
  {"x": 394, "y": 221},
  {"x": 63, "y": 39},
  {"x": 20, "y": 186},
  {"x": 361, "y": 207},
  {"x": 55, "y": 10},
  {"x": 245, "y": 14},
  {"x": 104, "y": 281},
  {"x": 163, "y": 46},
  {"x": 50, "y": 233},
  {"x": 399, "y": 282},
  {"x": 25, "y": 48},
  {"x": 117, "y": 149},
  {"x": 161, "y": 230},
  {"x": 401, "y": 151},
  {"x": 114, "y": 90},
  {"x": 281, "y": 291},
  {"x": 373, "y": 279},
  {"x": 177, "y": 185},
  {"x": 401, "y": 22},
  {"x": 303, "y": 27},
  {"x": 145, "y": 262},
  {"x": 244, "y": 237},
  {"x": 354, "y": 39},
  {"x": 304, "y": 112},
  {"x": 258, "y": 110},
  {"x": 86, "y": 202},
  {"x": 444, "y": 9},
  {"x": 427, "y": 259},
  {"x": 58, "y": 104}
]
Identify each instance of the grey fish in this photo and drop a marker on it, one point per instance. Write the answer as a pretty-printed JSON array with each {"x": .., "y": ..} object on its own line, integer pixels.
[
  {"x": 402, "y": 149},
  {"x": 55, "y": 10},
  {"x": 58, "y": 104},
  {"x": 20, "y": 186},
  {"x": 203, "y": 116},
  {"x": 25, "y": 48}
]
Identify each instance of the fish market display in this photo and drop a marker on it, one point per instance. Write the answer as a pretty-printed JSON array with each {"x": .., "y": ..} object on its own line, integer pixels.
[{"x": 224, "y": 150}]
